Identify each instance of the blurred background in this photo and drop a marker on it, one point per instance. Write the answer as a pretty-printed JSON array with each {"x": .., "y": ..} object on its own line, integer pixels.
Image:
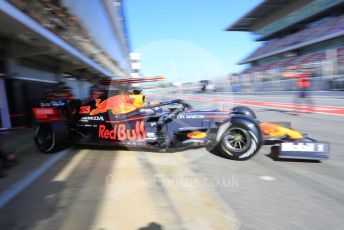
[
  {"x": 305, "y": 34},
  {"x": 46, "y": 43},
  {"x": 280, "y": 57},
  {"x": 49, "y": 44}
]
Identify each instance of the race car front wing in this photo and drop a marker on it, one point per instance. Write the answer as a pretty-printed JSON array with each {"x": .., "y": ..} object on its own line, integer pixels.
[
  {"x": 304, "y": 149},
  {"x": 291, "y": 143}
]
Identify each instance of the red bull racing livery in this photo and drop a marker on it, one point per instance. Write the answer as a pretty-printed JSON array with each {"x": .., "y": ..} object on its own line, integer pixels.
[{"x": 126, "y": 120}]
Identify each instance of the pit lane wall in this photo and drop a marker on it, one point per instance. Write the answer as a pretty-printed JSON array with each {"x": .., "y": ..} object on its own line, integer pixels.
[
  {"x": 26, "y": 85},
  {"x": 333, "y": 82},
  {"x": 39, "y": 49}
]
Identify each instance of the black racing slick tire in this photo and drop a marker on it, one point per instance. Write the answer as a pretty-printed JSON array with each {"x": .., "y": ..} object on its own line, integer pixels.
[
  {"x": 241, "y": 140},
  {"x": 244, "y": 110},
  {"x": 51, "y": 137}
]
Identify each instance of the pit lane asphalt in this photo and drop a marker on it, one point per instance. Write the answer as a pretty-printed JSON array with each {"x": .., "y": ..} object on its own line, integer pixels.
[{"x": 194, "y": 189}]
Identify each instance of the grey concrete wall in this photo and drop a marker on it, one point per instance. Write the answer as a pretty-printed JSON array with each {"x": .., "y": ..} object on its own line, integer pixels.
[
  {"x": 80, "y": 88},
  {"x": 16, "y": 70}
]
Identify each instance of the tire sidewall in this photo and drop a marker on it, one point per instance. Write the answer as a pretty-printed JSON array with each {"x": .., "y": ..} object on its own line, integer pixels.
[
  {"x": 59, "y": 133},
  {"x": 255, "y": 143},
  {"x": 244, "y": 110}
]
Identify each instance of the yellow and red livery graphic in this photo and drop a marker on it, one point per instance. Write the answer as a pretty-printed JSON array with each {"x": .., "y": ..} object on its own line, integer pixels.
[
  {"x": 119, "y": 104},
  {"x": 275, "y": 130},
  {"x": 197, "y": 134},
  {"x": 121, "y": 132}
]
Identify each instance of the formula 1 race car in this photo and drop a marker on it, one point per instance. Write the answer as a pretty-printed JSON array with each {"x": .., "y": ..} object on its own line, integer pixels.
[{"x": 126, "y": 120}]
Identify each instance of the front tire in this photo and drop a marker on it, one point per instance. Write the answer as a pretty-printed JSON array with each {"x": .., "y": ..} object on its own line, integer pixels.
[
  {"x": 240, "y": 141},
  {"x": 51, "y": 137},
  {"x": 244, "y": 110}
]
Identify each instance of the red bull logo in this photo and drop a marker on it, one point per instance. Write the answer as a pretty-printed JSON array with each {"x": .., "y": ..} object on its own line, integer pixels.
[
  {"x": 121, "y": 132},
  {"x": 119, "y": 104},
  {"x": 84, "y": 110}
]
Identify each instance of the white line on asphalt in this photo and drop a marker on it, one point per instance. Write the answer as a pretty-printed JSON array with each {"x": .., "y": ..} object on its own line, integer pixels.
[
  {"x": 288, "y": 97},
  {"x": 10, "y": 193},
  {"x": 69, "y": 168},
  {"x": 268, "y": 106},
  {"x": 267, "y": 178}
]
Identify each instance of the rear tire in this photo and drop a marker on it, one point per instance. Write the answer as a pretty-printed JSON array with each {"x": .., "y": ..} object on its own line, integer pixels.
[
  {"x": 240, "y": 141},
  {"x": 51, "y": 137}
]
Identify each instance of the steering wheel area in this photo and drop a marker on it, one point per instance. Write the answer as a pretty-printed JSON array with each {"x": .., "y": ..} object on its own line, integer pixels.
[
  {"x": 185, "y": 105},
  {"x": 176, "y": 111}
]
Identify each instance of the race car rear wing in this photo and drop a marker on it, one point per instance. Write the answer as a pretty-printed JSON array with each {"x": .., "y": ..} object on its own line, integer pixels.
[
  {"x": 47, "y": 114},
  {"x": 132, "y": 80}
]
